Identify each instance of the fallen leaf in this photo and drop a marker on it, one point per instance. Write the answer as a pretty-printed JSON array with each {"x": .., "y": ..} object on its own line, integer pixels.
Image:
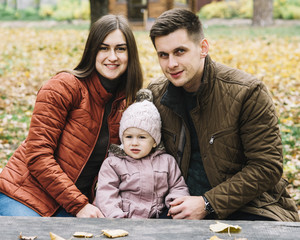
[
  {"x": 223, "y": 227},
  {"x": 55, "y": 237},
  {"x": 114, "y": 233},
  {"x": 215, "y": 238},
  {"x": 26, "y": 238},
  {"x": 82, "y": 235}
]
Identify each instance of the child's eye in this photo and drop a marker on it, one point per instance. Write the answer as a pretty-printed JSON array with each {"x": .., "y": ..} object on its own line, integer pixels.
[{"x": 128, "y": 136}]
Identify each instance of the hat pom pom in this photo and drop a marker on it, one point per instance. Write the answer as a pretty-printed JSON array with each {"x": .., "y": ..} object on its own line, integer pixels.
[{"x": 144, "y": 94}]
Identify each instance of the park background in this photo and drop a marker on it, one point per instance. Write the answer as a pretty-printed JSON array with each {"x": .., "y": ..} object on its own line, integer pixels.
[{"x": 39, "y": 38}]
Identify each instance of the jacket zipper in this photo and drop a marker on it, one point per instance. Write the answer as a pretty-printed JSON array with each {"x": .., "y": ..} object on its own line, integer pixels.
[{"x": 219, "y": 134}]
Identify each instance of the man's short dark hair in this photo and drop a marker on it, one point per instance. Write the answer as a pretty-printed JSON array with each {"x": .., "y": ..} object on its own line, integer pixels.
[{"x": 175, "y": 19}]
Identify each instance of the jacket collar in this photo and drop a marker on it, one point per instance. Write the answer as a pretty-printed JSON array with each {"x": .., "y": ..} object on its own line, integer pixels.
[
  {"x": 173, "y": 96},
  {"x": 99, "y": 93},
  {"x": 118, "y": 151}
]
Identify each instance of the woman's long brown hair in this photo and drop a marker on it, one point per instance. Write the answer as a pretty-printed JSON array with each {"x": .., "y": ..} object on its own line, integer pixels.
[{"x": 99, "y": 30}]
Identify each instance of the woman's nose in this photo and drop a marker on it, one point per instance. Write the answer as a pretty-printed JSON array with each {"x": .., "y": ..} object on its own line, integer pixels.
[{"x": 112, "y": 55}]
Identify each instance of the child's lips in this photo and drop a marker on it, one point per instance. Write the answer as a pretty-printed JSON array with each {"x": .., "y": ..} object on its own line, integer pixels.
[{"x": 135, "y": 150}]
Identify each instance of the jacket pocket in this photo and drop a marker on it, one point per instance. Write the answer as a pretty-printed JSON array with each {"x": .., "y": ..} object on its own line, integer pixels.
[
  {"x": 161, "y": 183},
  {"x": 221, "y": 133},
  {"x": 126, "y": 205},
  {"x": 272, "y": 196},
  {"x": 225, "y": 146}
]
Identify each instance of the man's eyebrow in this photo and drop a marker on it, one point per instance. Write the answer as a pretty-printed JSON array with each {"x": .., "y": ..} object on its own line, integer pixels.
[
  {"x": 173, "y": 51},
  {"x": 161, "y": 52}
]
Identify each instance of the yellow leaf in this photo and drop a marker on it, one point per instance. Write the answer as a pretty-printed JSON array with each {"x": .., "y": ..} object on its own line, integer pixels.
[
  {"x": 114, "y": 233},
  {"x": 55, "y": 237},
  {"x": 223, "y": 227},
  {"x": 82, "y": 235},
  {"x": 215, "y": 238}
]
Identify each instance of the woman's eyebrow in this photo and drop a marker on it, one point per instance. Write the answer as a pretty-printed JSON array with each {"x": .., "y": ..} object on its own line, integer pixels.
[{"x": 118, "y": 45}]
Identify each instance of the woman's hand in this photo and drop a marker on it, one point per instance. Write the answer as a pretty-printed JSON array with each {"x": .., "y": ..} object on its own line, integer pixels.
[{"x": 89, "y": 211}]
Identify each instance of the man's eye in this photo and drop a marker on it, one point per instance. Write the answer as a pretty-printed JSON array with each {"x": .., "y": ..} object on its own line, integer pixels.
[
  {"x": 179, "y": 52},
  {"x": 162, "y": 55}
]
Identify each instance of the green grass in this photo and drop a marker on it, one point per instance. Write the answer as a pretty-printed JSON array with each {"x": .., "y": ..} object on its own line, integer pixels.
[{"x": 249, "y": 31}]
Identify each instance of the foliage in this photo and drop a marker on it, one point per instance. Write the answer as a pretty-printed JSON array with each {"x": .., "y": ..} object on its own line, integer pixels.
[
  {"x": 28, "y": 57},
  {"x": 287, "y": 9},
  {"x": 8, "y": 13},
  {"x": 282, "y": 9},
  {"x": 227, "y": 9},
  {"x": 64, "y": 10}
]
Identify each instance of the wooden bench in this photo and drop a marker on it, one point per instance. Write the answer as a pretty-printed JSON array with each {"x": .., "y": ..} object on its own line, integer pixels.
[{"x": 144, "y": 229}]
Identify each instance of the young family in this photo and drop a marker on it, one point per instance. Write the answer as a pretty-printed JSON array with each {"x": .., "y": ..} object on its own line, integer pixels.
[{"x": 202, "y": 142}]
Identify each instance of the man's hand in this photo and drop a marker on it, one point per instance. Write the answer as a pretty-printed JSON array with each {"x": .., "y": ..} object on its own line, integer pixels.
[
  {"x": 89, "y": 211},
  {"x": 188, "y": 207}
]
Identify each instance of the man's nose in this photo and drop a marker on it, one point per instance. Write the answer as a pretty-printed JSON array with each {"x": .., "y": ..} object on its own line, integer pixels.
[{"x": 172, "y": 62}]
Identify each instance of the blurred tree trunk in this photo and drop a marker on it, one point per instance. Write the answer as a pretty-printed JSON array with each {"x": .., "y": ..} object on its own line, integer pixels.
[
  {"x": 15, "y": 4},
  {"x": 98, "y": 9},
  {"x": 37, "y": 4},
  {"x": 262, "y": 13}
]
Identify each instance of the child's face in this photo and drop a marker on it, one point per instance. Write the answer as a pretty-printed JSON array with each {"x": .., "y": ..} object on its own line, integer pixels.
[{"x": 137, "y": 142}]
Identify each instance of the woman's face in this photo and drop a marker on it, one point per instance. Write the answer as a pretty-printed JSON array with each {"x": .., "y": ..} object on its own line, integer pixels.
[{"x": 112, "y": 58}]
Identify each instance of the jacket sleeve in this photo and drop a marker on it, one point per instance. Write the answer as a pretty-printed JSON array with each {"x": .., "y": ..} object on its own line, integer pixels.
[
  {"x": 108, "y": 199},
  {"x": 176, "y": 183},
  {"x": 54, "y": 101},
  {"x": 261, "y": 143}
]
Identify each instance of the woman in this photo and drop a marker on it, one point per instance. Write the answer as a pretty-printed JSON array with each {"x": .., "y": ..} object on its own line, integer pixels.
[{"x": 76, "y": 117}]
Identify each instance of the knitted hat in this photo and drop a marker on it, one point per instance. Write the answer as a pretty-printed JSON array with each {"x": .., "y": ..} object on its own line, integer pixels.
[{"x": 142, "y": 114}]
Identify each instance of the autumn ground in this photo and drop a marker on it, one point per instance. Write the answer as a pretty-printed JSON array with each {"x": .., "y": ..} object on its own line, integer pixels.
[{"x": 32, "y": 54}]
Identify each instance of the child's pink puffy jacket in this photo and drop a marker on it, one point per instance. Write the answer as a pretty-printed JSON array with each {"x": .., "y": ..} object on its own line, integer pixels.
[{"x": 129, "y": 188}]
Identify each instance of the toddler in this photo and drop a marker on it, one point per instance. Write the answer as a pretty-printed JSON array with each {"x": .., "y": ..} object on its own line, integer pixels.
[{"x": 139, "y": 179}]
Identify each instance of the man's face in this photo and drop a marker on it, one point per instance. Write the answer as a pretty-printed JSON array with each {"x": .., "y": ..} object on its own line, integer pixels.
[{"x": 181, "y": 59}]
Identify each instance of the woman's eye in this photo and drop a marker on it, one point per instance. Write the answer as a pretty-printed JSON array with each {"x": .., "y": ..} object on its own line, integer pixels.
[
  {"x": 121, "y": 49},
  {"x": 103, "y": 48}
]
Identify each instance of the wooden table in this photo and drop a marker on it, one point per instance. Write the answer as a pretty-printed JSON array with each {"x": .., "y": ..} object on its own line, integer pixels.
[{"x": 145, "y": 229}]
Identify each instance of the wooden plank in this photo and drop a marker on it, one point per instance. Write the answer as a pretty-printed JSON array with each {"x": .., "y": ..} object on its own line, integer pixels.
[{"x": 144, "y": 229}]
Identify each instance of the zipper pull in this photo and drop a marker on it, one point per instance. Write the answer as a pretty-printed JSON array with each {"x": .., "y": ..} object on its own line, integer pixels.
[{"x": 211, "y": 141}]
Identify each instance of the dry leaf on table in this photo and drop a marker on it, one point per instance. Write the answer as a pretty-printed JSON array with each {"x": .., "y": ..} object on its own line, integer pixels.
[
  {"x": 223, "y": 227},
  {"x": 215, "y": 238},
  {"x": 82, "y": 235},
  {"x": 114, "y": 233},
  {"x": 53, "y": 236},
  {"x": 27, "y": 238}
]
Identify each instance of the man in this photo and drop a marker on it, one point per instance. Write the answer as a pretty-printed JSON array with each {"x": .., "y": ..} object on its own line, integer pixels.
[{"x": 220, "y": 124}]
